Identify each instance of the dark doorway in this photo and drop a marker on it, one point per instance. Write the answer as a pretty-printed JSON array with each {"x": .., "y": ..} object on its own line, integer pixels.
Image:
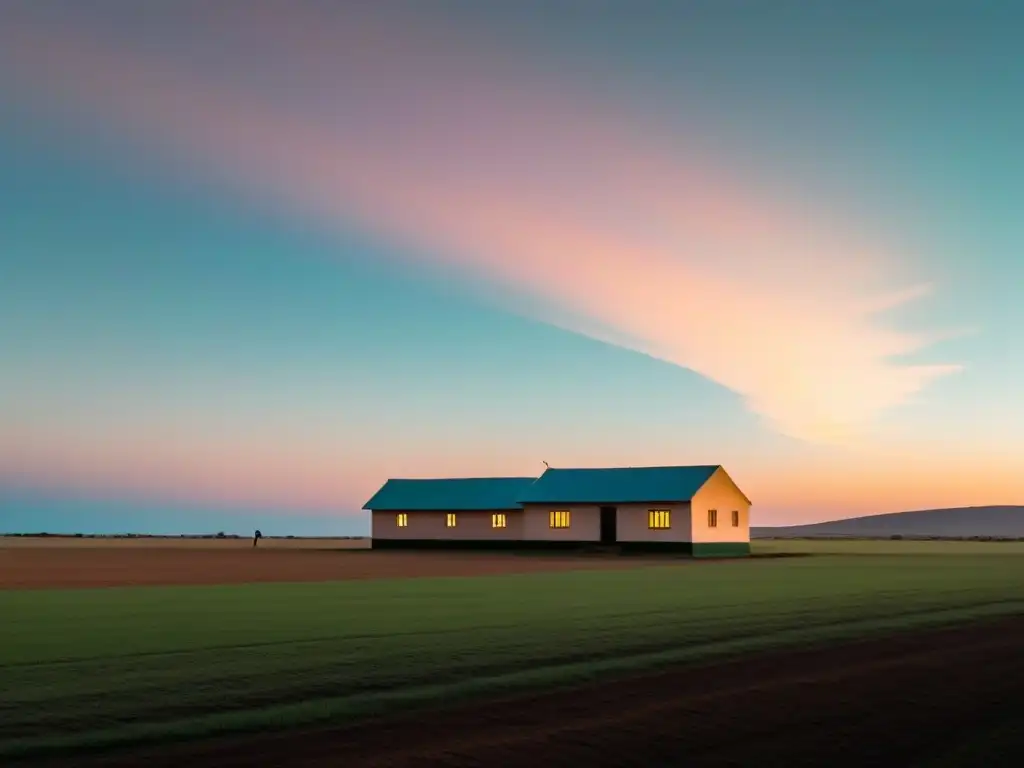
[{"x": 608, "y": 524}]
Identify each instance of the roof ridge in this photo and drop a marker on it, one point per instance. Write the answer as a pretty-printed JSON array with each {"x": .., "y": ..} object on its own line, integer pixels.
[
  {"x": 442, "y": 479},
  {"x": 643, "y": 466}
]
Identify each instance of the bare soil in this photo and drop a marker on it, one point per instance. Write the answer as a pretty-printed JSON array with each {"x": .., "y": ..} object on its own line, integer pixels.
[
  {"x": 902, "y": 700},
  {"x": 237, "y": 562}
]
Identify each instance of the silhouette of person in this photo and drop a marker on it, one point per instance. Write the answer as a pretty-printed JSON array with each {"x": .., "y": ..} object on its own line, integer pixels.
[{"x": 256, "y": 537}]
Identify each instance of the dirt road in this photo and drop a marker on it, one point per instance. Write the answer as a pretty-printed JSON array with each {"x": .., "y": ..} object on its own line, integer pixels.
[{"x": 895, "y": 701}]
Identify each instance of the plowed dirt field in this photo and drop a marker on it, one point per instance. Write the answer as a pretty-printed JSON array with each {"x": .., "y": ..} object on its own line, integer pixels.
[{"x": 80, "y": 567}]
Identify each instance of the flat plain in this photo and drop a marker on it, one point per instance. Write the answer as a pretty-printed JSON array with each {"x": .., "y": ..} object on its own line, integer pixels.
[{"x": 206, "y": 669}]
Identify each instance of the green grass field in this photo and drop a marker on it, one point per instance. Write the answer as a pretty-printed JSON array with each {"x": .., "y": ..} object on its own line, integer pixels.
[
  {"x": 97, "y": 667},
  {"x": 887, "y": 547}
]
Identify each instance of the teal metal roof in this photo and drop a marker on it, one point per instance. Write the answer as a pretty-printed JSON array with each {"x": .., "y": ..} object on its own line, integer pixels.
[
  {"x": 481, "y": 493},
  {"x": 617, "y": 486}
]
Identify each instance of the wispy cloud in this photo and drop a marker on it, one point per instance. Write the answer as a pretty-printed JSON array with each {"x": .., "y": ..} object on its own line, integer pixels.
[{"x": 587, "y": 215}]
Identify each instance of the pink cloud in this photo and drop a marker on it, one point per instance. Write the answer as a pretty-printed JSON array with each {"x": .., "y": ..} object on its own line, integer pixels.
[{"x": 582, "y": 214}]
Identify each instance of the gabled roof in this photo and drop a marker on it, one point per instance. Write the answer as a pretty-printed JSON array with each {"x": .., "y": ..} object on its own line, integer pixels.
[
  {"x": 453, "y": 494},
  {"x": 617, "y": 485}
]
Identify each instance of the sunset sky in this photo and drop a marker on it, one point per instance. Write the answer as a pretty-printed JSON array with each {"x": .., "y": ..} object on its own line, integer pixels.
[{"x": 257, "y": 257}]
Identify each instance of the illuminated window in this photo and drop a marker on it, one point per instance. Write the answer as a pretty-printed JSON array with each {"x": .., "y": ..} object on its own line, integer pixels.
[
  {"x": 559, "y": 518},
  {"x": 499, "y": 521},
  {"x": 735, "y": 518},
  {"x": 659, "y": 519},
  {"x": 402, "y": 519},
  {"x": 451, "y": 519},
  {"x": 712, "y": 518}
]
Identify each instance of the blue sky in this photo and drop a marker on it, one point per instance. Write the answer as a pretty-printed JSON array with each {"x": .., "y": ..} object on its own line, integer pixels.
[{"x": 524, "y": 234}]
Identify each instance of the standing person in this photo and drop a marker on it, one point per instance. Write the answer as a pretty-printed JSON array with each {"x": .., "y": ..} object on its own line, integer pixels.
[{"x": 256, "y": 537}]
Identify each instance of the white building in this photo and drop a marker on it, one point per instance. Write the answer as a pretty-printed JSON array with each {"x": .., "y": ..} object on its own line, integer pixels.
[{"x": 697, "y": 510}]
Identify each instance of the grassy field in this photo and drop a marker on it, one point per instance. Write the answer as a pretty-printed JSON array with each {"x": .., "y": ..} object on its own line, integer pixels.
[
  {"x": 947, "y": 548},
  {"x": 85, "y": 668}
]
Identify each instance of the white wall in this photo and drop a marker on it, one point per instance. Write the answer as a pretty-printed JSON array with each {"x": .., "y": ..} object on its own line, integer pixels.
[
  {"x": 720, "y": 493},
  {"x": 433, "y": 525},
  {"x": 632, "y": 523},
  {"x": 585, "y": 524}
]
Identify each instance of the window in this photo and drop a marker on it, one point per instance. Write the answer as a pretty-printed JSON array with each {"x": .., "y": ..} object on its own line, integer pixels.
[
  {"x": 735, "y": 518},
  {"x": 559, "y": 518},
  {"x": 712, "y": 518},
  {"x": 499, "y": 520},
  {"x": 402, "y": 519},
  {"x": 451, "y": 519},
  {"x": 659, "y": 519}
]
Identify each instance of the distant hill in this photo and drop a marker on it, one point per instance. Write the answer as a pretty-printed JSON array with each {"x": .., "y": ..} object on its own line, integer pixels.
[{"x": 960, "y": 522}]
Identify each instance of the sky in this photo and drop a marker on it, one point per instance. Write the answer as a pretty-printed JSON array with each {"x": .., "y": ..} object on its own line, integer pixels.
[{"x": 258, "y": 257}]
